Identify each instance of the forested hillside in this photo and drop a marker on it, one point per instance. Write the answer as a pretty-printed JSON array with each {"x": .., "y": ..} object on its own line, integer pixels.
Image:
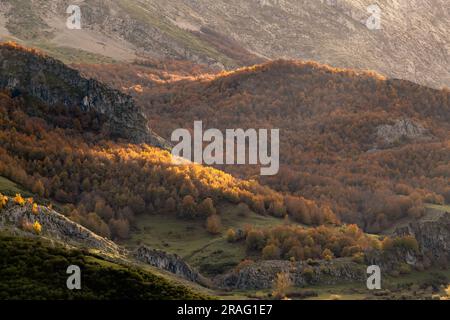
[{"x": 373, "y": 149}]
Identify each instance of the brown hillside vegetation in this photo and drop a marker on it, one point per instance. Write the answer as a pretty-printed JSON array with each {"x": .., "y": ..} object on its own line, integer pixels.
[
  {"x": 372, "y": 149},
  {"x": 106, "y": 184}
]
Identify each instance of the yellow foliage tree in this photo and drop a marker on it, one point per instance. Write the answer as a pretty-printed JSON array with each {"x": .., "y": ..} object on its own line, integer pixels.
[
  {"x": 281, "y": 285},
  {"x": 231, "y": 235},
  {"x": 213, "y": 224},
  {"x": 327, "y": 254},
  {"x": 3, "y": 201},
  {"x": 37, "y": 227},
  {"x": 19, "y": 200},
  {"x": 35, "y": 209}
]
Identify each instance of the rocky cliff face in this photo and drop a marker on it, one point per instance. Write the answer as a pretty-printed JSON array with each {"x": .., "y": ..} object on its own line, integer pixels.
[
  {"x": 49, "y": 80},
  {"x": 401, "y": 129},
  {"x": 57, "y": 227},
  {"x": 432, "y": 234},
  {"x": 168, "y": 262},
  {"x": 261, "y": 275}
]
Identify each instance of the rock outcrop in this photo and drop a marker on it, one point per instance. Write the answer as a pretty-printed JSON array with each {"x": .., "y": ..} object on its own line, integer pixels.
[
  {"x": 26, "y": 72},
  {"x": 56, "y": 227},
  {"x": 168, "y": 262},
  {"x": 261, "y": 274},
  {"x": 432, "y": 234},
  {"x": 401, "y": 129},
  {"x": 19, "y": 219}
]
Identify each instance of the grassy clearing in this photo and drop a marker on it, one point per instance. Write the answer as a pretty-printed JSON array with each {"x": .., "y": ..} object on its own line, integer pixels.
[
  {"x": 190, "y": 240},
  {"x": 71, "y": 55},
  {"x": 444, "y": 208}
]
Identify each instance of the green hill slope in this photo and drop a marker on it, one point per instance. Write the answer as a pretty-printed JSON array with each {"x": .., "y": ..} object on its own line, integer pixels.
[{"x": 35, "y": 269}]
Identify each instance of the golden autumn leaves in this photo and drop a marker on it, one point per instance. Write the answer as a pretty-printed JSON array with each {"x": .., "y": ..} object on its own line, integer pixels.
[{"x": 35, "y": 227}]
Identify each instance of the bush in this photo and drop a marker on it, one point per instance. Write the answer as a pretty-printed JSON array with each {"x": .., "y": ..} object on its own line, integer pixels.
[
  {"x": 3, "y": 201},
  {"x": 308, "y": 274},
  {"x": 271, "y": 252},
  {"x": 37, "y": 227},
  {"x": 35, "y": 209},
  {"x": 358, "y": 258},
  {"x": 213, "y": 224},
  {"x": 206, "y": 208},
  {"x": 120, "y": 228},
  {"x": 281, "y": 285},
  {"x": 231, "y": 235},
  {"x": 404, "y": 242},
  {"x": 255, "y": 240},
  {"x": 327, "y": 254},
  {"x": 404, "y": 269},
  {"x": 243, "y": 210},
  {"x": 19, "y": 200}
]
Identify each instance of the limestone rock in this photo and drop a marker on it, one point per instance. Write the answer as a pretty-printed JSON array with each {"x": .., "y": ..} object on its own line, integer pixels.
[{"x": 49, "y": 80}]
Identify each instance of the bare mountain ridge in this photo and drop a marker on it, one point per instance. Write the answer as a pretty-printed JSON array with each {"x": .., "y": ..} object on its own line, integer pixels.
[{"x": 412, "y": 44}]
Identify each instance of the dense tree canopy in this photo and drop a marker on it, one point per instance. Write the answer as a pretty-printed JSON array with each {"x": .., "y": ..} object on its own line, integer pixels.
[
  {"x": 105, "y": 184},
  {"x": 331, "y": 150}
]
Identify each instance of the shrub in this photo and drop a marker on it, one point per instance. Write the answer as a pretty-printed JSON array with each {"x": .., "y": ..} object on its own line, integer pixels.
[
  {"x": 404, "y": 242},
  {"x": 213, "y": 224},
  {"x": 206, "y": 208},
  {"x": 120, "y": 228},
  {"x": 308, "y": 274},
  {"x": 3, "y": 201},
  {"x": 271, "y": 252},
  {"x": 255, "y": 240},
  {"x": 37, "y": 227},
  {"x": 19, "y": 200},
  {"x": 358, "y": 258},
  {"x": 281, "y": 285},
  {"x": 243, "y": 210},
  {"x": 231, "y": 235},
  {"x": 404, "y": 269},
  {"x": 327, "y": 254}
]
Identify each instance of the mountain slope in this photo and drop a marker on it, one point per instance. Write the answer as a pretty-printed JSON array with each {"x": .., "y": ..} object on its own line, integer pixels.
[
  {"x": 412, "y": 44},
  {"x": 105, "y": 183},
  {"x": 35, "y": 270},
  {"x": 108, "y": 271},
  {"x": 26, "y": 72},
  {"x": 374, "y": 149},
  {"x": 116, "y": 30}
]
